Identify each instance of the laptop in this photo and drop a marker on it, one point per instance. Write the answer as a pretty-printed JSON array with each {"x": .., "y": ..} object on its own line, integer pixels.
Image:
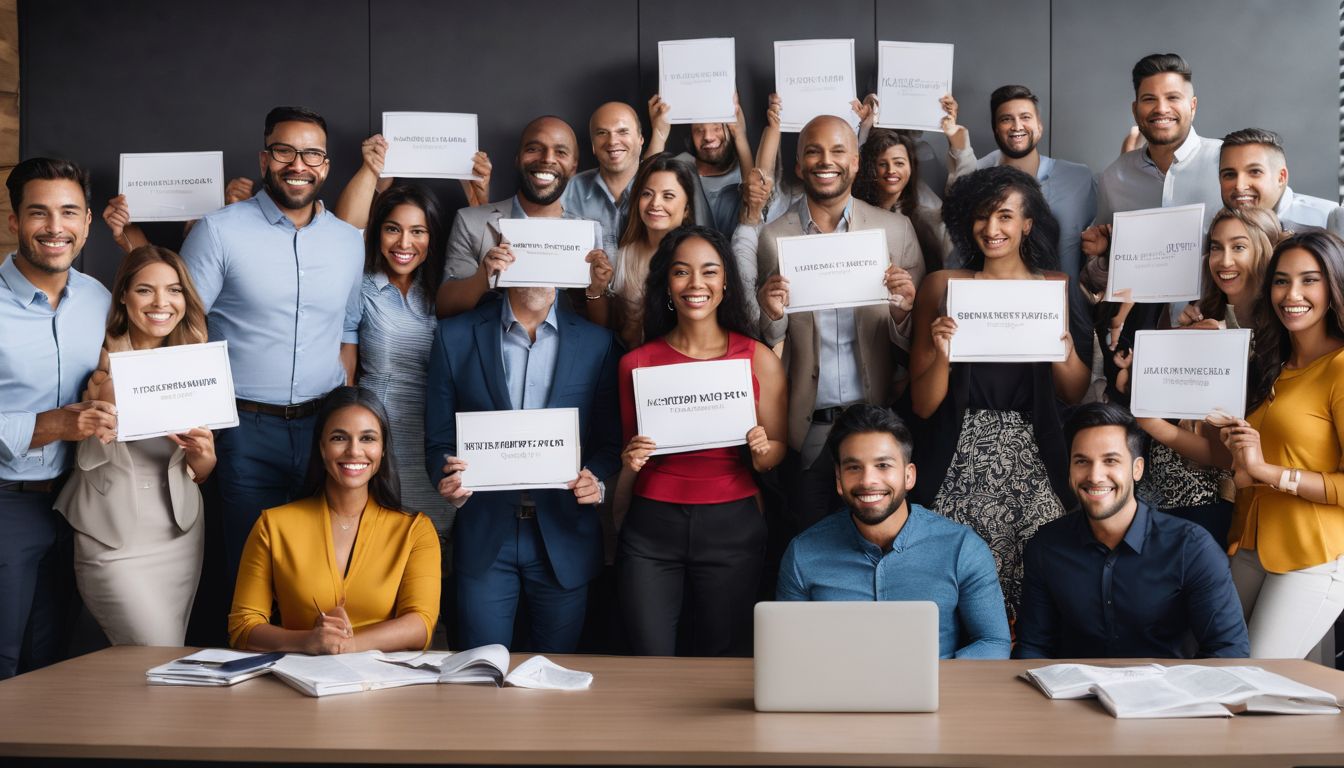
[{"x": 847, "y": 657}]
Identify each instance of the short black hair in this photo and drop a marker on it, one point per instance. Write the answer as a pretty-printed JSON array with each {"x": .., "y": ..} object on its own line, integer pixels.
[
  {"x": 1156, "y": 64},
  {"x": 1261, "y": 136},
  {"x": 44, "y": 168},
  {"x": 1009, "y": 93},
  {"x": 1091, "y": 415},
  {"x": 385, "y": 487},
  {"x": 292, "y": 115},
  {"x": 863, "y": 418}
]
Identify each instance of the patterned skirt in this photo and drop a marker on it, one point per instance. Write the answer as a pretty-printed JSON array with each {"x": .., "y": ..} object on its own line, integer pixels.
[
  {"x": 1171, "y": 482},
  {"x": 996, "y": 483}
]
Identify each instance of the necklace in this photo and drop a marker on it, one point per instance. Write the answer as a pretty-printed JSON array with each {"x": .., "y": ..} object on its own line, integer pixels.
[{"x": 341, "y": 519}]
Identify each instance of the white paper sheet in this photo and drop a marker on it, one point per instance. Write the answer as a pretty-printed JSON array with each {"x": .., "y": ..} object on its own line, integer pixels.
[
  {"x": 911, "y": 78},
  {"x": 510, "y": 450},
  {"x": 429, "y": 145},
  {"x": 549, "y": 252},
  {"x": 690, "y": 406},
  {"x": 1186, "y": 373},
  {"x": 172, "y": 186},
  {"x": 1157, "y": 255},
  {"x": 845, "y": 269},
  {"x": 697, "y": 79},
  {"x": 1003, "y": 321},
  {"x": 172, "y": 389},
  {"x": 814, "y": 77}
]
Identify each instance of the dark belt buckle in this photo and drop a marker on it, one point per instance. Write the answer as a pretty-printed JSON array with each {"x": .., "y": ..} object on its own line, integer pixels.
[
  {"x": 294, "y": 411},
  {"x": 825, "y": 415},
  {"x": 525, "y": 511}
]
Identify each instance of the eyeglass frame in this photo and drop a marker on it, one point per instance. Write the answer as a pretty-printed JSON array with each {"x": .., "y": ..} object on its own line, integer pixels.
[{"x": 273, "y": 147}]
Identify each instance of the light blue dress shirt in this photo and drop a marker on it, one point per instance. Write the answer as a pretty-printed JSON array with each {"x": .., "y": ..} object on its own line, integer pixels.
[
  {"x": 838, "y": 381},
  {"x": 932, "y": 558},
  {"x": 277, "y": 295},
  {"x": 529, "y": 366},
  {"x": 587, "y": 197},
  {"x": 46, "y": 356}
]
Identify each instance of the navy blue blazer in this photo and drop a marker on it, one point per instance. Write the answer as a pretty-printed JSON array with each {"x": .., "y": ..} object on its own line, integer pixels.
[{"x": 466, "y": 373}]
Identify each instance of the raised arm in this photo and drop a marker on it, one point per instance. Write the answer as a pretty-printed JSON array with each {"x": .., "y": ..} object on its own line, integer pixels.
[
  {"x": 659, "y": 127},
  {"x": 356, "y": 200}
]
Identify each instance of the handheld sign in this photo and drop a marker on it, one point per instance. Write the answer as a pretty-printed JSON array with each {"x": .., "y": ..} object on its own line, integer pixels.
[
  {"x": 845, "y": 269},
  {"x": 429, "y": 145},
  {"x": 697, "y": 80},
  {"x": 549, "y": 252},
  {"x": 911, "y": 79},
  {"x": 1008, "y": 321},
  {"x": 1157, "y": 255},
  {"x": 814, "y": 77},
  {"x": 173, "y": 389},
  {"x": 1186, "y": 373},
  {"x": 172, "y": 186},
  {"x": 691, "y": 406},
  {"x": 516, "y": 450}
]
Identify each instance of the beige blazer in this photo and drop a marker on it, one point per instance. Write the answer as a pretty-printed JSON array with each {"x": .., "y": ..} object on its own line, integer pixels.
[{"x": 877, "y": 335}]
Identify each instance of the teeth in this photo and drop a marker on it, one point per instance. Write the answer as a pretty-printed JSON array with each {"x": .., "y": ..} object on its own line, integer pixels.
[
  {"x": 158, "y": 317},
  {"x": 355, "y": 467},
  {"x": 869, "y": 497},
  {"x": 1295, "y": 310},
  {"x": 695, "y": 300},
  {"x": 1097, "y": 491},
  {"x": 1228, "y": 275},
  {"x": 298, "y": 182},
  {"x": 401, "y": 257},
  {"x": 826, "y": 174},
  {"x": 1243, "y": 199},
  {"x": 52, "y": 243},
  {"x": 543, "y": 176}
]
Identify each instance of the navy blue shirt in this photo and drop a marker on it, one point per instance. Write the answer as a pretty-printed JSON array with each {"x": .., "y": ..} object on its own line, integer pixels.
[{"x": 1164, "y": 581}]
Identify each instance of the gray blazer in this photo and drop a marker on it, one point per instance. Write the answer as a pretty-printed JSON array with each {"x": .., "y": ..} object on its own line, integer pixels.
[
  {"x": 100, "y": 501},
  {"x": 475, "y": 232}
]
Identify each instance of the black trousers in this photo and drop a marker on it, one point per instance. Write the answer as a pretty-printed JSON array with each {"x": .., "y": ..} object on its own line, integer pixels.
[
  {"x": 705, "y": 558},
  {"x": 37, "y": 582}
]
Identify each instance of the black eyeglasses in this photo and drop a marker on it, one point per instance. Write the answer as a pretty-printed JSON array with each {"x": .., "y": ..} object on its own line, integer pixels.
[{"x": 284, "y": 153}]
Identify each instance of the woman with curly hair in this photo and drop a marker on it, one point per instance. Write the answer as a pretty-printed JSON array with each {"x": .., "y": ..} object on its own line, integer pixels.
[
  {"x": 889, "y": 178},
  {"x": 991, "y": 431}
]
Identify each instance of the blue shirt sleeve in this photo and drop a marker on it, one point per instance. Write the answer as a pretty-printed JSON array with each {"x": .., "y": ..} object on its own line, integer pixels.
[
  {"x": 980, "y": 606},
  {"x": 16, "y": 434},
  {"x": 204, "y": 256},
  {"x": 354, "y": 313},
  {"x": 1211, "y": 601},
  {"x": 790, "y": 585},
  {"x": 1037, "y": 621}
]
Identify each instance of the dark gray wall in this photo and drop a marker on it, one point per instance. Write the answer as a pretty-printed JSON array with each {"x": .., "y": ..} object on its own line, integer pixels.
[{"x": 138, "y": 75}]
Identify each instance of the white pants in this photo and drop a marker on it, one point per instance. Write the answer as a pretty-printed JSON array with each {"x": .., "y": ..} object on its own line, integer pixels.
[{"x": 1287, "y": 613}]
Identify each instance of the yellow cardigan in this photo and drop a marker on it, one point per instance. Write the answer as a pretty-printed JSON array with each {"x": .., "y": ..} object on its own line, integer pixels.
[
  {"x": 289, "y": 562},
  {"x": 1301, "y": 427}
]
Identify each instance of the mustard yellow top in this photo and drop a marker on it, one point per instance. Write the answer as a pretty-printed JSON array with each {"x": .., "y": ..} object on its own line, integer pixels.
[
  {"x": 289, "y": 561},
  {"x": 1301, "y": 427}
]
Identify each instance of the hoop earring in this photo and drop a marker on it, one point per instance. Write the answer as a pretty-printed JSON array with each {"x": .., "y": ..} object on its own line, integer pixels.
[{"x": 669, "y": 303}]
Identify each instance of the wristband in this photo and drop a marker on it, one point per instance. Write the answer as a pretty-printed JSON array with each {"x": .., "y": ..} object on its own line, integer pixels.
[{"x": 1289, "y": 480}]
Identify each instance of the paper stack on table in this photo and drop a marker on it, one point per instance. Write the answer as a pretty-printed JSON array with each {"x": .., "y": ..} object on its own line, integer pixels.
[{"x": 212, "y": 667}]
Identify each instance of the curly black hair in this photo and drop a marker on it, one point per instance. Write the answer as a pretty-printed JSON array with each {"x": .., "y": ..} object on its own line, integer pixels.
[
  {"x": 977, "y": 195},
  {"x": 733, "y": 313}
]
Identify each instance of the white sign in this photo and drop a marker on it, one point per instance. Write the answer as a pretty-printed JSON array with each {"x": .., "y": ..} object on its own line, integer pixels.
[
  {"x": 1187, "y": 373},
  {"x": 1157, "y": 255},
  {"x": 814, "y": 77},
  {"x": 911, "y": 79},
  {"x": 172, "y": 186},
  {"x": 691, "y": 406},
  {"x": 169, "y": 390},
  {"x": 1008, "y": 321},
  {"x": 549, "y": 252},
  {"x": 844, "y": 269},
  {"x": 697, "y": 80},
  {"x": 429, "y": 145},
  {"x": 514, "y": 450}
]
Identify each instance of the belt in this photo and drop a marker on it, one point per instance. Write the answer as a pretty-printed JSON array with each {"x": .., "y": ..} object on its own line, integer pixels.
[
  {"x": 527, "y": 508},
  {"x": 286, "y": 412},
  {"x": 34, "y": 486},
  {"x": 827, "y": 415}
]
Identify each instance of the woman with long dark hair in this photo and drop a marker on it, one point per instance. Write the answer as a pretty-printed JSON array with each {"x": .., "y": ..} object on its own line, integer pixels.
[
  {"x": 695, "y": 535},
  {"x": 889, "y": 178},
  {"x": 1287, "y": 536},
  {"x": 348, "y": 570},
  {"x": 991, "y": 432}
]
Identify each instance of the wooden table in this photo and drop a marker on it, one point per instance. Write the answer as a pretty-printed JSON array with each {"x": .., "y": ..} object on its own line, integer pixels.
[{"x": 639, "y": 711}]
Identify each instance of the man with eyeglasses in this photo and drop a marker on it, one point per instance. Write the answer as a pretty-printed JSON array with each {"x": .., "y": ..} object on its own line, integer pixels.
[{"x": 275, "y": 272}]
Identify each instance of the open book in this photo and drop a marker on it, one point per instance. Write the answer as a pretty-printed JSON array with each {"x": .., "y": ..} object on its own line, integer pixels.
[{"x": 1186, "y": 690}]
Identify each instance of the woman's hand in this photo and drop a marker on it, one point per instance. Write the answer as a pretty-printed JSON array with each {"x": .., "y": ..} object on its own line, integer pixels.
[
  {"x": 117, "y": 216},
  {"x": 238, "y": 190},
  {"x": 774, "y": 297},
  {"x": 478, "y": 189},
  {"x": 199, "y": 446},
  {"x": 758, "y": 441},
  {"x": 331, "y": 633},
  {"x": 637, "y": 452},
  {"x": 756, "y": 190},
  {"x": 374, "y": 152},
  {"x": 1243, "y": 442},
  {"x": 1123, "y": 359},
  {"x": 774, "y": 111},
  {"x": 944, "y": 328}
]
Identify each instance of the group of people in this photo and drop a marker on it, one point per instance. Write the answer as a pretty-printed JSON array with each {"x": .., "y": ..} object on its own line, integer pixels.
[{"x": 341, "y": 492}]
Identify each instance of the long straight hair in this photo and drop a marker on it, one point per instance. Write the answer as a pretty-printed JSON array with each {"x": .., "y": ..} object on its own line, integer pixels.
[
  {"x": 190, "y": 329},
  {"x": 635, "y": 231},
  {"x": 1264, "y": 230},
  {"x": 430, "y": 272},
  {"x": 385, "y": 487}
]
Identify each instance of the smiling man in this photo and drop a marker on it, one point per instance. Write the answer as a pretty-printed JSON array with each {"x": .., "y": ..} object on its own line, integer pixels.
[
  {"x": 1253, "y": 172},
  {"x": 887, "y": 548},
  {"x": 275, "y": 273},
  {"x": 1117, "y": 578},
  {"x": 603, "y": 193}
]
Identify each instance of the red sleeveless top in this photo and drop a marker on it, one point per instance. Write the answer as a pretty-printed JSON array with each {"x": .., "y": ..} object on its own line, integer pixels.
[{"x": 710, "y": 476}]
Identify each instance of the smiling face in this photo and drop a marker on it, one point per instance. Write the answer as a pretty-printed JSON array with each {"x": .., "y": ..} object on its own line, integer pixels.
[
  {"x": 51, "y": 225},
  {"x": 1102, "y": 472},
  {"x": 547, "y": 158},
  {"x": 828, "y": 158},
  {"x": 893, "y": 171},
  {"x": 1298, "y": 292},
  {"x": 695, "y": 280},
  {"x": 155, "y": 303},
  {"x": 662, "y": 202},
  {"x": 403, "y": 238},
  {"x": 999, "y": 233},
  {"x": 873, "y": 476},
  {"x": 617, "y": 143},
  {"x": 294, "y": 185},
  {"x": 1231, "y": 257},
  {"x": 1251, "y": 175},
  {"x": 352, "y": 447},
  {"x": 1017, "y": 127},
  {"x": 1164, "y": 108}
]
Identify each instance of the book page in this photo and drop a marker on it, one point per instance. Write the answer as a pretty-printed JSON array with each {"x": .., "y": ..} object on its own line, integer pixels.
[{"x": 1075, "y": 681}]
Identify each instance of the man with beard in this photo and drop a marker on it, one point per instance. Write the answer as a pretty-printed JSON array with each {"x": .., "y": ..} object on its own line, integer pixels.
[
  {"x": 505, "y": 354},
  {"x": 275, "y": 272},
  {"x": 1253, "y": 173},
  {"x": 1117, "y": 578},
  {"x": 721, "y": 156},
  {"x": 887, "y": 548},
  {"x": 835, "y": 357},
  {"x": 547, "y": 157},
  {"x": 603, "y": 193},
  {"x": 1069, "y": 187},
  {"x": 53, "y": 318}
]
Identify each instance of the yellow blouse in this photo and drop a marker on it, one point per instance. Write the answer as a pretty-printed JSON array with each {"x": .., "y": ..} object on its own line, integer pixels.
[
  {"x": 289, "y": 561},
  {"x": 1301, "y": 427}
]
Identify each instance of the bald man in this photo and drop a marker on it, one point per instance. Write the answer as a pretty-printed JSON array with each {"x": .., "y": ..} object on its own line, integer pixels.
[
  {"x": 603, "y": 193},
  {"x": 546, "y": 160},
  {"x": 835, "y": 357}
]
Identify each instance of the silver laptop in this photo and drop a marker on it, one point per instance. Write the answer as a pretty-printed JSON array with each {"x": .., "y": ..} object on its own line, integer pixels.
[{"x": 847, "y": 657}]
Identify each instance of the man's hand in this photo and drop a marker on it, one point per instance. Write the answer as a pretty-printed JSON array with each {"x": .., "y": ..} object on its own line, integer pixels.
[
  {"x": 957, "y": 136},
  {"x": 599, "y": 273},
  {"x": 478, "y": 189},
  {"x": 77, "y": 421},
  {"x": 774, "y": 297},
  {"x": 659, "y": 125},
  {"x": 450, "y": 487},
  {"x": 756, "y": 189},
  {"x": 585, "y": 487},
  {"x": 900, "y": 292},
  {"x": 1096, "y": 240},
  {"x": 237, "y": 190},
  {"x": 497, "y": 259}
]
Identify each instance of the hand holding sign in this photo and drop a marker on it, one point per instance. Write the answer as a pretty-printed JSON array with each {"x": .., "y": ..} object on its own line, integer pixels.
[
  {"x": 637, "y": 452},
  {"x": 450, "y": 486}
]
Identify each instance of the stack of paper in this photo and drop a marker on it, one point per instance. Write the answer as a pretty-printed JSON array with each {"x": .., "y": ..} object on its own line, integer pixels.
[{"x": 212, "y": 667}]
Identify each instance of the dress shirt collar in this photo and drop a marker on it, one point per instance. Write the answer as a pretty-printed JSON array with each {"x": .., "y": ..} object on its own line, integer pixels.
[
  {"x": 273, "y": 213},
  {"x": 25, "y": 293},
  {"x": 1043, "y": 169},
  {"x": 507, "y": 318},
  {"x": 1188, "y": 148},
  {"x": 1134, "y": 537},
  {"x": 1285, "y": 203},
  {"x": 909, "y": 535},
  {"x": 805, "y": 214}
]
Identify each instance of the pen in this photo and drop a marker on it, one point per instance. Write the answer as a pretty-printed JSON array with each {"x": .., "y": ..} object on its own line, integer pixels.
[{"x": 320, "y": 613}]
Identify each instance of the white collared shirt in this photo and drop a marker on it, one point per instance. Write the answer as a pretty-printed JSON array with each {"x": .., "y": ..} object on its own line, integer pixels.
[{"x": 1296, "y": 211}]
